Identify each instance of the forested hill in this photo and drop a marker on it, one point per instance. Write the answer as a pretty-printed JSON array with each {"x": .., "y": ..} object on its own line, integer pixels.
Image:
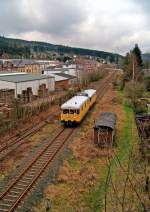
[
  {"x": 22, "y": 48},
  {"x": 146, "y": 57}
]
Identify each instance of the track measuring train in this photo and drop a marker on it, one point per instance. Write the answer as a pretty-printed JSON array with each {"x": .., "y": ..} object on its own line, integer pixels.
[{"x": 75, "y": 109}]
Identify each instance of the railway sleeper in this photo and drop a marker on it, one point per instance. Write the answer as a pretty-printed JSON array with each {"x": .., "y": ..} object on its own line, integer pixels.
[
  {"x": 33, "y": 172},
  {"x": 40, "y": 161},
  {"x": 8, "y": 200},
  {"x": 12, "y": 196},
  {"x": 4, "y": 210},
  {"x": 13, "y": 191},
  {"x": 39, "y": 165},
  {"x": 56, "y": 146},
  {"x": 44, "y": 159},
  {"x": 27, "y": 177},
  {"x": 36, "y": 168},
  {"x": 22, "y": 185},
  {"x": 49, "y": 152},
  {"x": 5, "y": 204},
  {"x": 31, "y": 175},
  {"x": 33, "y": 169},
  {"x": 18, "y": 188}
]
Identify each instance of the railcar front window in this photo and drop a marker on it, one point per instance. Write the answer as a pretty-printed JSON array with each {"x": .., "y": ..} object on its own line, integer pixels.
[
  {"x": 65, "y": 111},
  {"x": 72, "y": 111},
  {"x": 78, "y": 111}
]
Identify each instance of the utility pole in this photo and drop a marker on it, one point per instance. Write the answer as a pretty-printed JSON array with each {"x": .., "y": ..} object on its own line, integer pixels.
[{"x": 133, "y": 68}]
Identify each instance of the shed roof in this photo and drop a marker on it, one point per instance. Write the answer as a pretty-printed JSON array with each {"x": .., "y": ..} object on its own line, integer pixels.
[
  {"x": 57, "y": 78},
  {"x": 16, "y": 78},
  {"x": 106, "y": 119}
]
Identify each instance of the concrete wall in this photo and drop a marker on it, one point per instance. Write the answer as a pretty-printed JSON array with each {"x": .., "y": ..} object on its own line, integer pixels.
[
  {"x": 8, "y": 85},
  {"x": 50, "y": 85}
]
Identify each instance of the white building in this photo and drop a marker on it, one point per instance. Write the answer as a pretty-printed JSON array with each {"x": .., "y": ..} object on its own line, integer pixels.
[
  {"x": 61, "y": 75},
  {"x": 21, "y": 82}
]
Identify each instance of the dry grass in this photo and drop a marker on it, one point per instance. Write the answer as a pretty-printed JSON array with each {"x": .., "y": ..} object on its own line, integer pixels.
[{"x": 11, "y": 162}]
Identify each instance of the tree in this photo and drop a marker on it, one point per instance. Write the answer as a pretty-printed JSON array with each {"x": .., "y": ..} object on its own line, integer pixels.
[
  {"x": 133, "y": 66},
  {"x": 137, "y": 52}
]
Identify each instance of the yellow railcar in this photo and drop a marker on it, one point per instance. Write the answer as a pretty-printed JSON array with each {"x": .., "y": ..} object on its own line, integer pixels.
[{"x": 74, "y": 110}]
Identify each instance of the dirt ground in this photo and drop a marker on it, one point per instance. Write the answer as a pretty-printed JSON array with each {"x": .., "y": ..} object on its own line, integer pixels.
[{"x": 83, "y": 170}]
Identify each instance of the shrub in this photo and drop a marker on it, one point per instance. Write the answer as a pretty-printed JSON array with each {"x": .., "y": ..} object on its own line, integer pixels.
[{"x": 134, "y": 90}]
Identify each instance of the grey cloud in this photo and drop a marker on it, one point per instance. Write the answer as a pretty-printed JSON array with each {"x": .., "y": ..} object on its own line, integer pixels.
[
  {"x": 57, "y": 17},
  {"x": 111, "y": 25},
  {"x": 145, "y": 4}
]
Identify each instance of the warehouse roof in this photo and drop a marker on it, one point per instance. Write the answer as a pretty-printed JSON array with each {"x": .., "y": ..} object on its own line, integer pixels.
[
  {"x": 106, "y": 119},
  {"x": 68, "y": 76},
  {"x": 5, "y": 73},
  {"x": 23, "y": 77},
  {"x": 23, "y": 62}
]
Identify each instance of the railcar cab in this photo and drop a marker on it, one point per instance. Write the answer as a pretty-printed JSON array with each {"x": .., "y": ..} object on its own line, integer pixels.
[
  {"x": 70, "y": 116},
  {"x": 71, "y": 111},
  {"x": 74, "y": 110}
]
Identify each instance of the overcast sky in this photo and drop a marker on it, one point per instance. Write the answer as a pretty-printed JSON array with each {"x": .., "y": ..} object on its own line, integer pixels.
[{"x": 110, "y": 25}]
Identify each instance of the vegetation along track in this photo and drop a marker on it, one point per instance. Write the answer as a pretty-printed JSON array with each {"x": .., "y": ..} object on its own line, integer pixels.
[
  {"x": 21, "y": 185},
  {"x": 16, "y": 141}
]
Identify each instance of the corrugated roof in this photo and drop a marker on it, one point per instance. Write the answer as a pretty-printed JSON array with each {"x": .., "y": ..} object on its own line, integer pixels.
[
  {"x": 23, "y": 77},
  {"x": 57, "y": 78},
  {"x": 68, "y": 76},
  {"x": 22, "y": 63},
  {"x": 106, "y": 119}
]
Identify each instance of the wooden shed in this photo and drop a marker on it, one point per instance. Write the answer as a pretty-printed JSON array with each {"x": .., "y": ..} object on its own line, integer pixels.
[{"x": 104, "y": 129}]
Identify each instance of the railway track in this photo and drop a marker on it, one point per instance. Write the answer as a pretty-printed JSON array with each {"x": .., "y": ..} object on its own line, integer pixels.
[
  {"x": 106, "y": 84},
  {"x": 15, "y": 193},
  {"x": 16, "y": 141},
  {"x": 23, "y": 183}
]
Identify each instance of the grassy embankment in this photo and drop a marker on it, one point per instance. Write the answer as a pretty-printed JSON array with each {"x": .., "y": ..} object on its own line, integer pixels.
[{"x": 95, "y": 198}]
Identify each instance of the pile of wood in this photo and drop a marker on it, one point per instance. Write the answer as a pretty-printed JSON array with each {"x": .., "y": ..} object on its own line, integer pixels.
[
  {"x": 26, "y": 96},
  {"x": 7, "y": 96},
  {"x": 43, "y": 91}
]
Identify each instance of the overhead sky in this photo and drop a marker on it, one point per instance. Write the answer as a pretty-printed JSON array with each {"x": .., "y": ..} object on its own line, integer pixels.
[{"x": 109, "y": 25}]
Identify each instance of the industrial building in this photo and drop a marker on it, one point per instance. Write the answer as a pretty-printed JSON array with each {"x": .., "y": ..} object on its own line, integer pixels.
[
  {"x": 24, "y": 86},
  {"x": 62, "y": 80}
]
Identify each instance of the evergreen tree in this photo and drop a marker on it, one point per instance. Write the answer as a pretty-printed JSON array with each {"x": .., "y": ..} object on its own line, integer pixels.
[{"x": 138, "y": 54}]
